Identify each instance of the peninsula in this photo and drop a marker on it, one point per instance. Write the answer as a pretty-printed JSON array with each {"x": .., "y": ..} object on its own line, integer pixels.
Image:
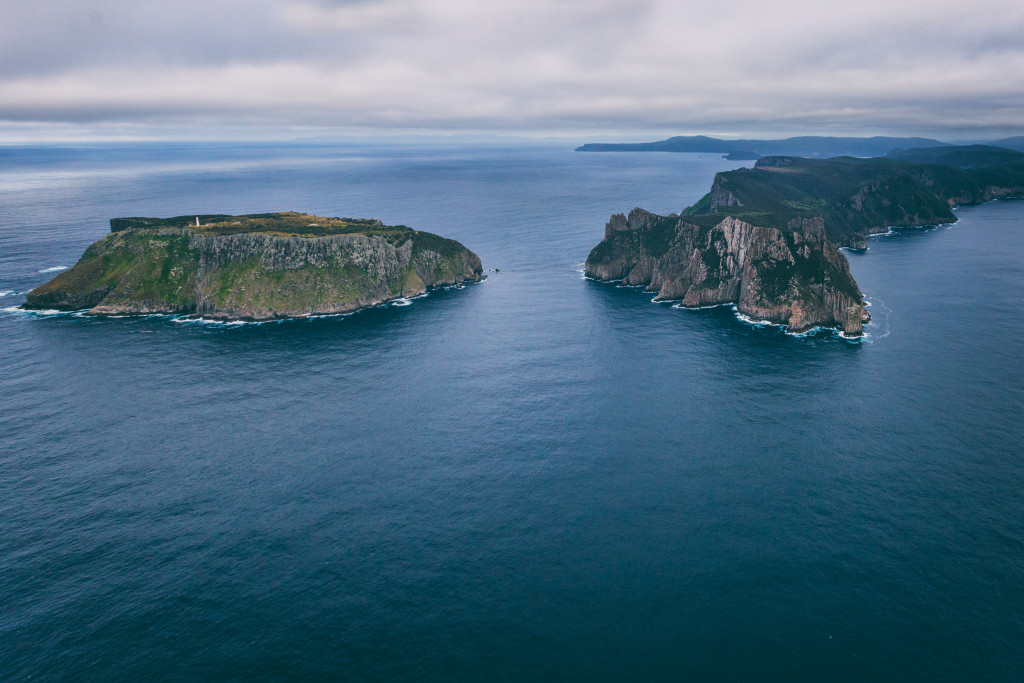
[
  {"x": 766, "y": 238},
  {"x": 254, "y": 267}
]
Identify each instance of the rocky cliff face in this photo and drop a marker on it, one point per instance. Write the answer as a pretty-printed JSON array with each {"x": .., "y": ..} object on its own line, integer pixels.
[
  {"x": 794, "y": 277},
  {"x": 253, "y": 276}
]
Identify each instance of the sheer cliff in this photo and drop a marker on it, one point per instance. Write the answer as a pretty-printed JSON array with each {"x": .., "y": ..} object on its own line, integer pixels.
[{"x": 793, "y": 277}]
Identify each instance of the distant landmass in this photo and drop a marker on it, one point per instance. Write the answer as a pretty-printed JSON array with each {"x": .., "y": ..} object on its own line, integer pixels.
[
  {"x": 254, "y": 267},
  {"x": 1016, "y": 143},
  {"x": 967, "y": 157},
  {"x": 805, "y": 146},
  {"x": 766, "y": 238}
]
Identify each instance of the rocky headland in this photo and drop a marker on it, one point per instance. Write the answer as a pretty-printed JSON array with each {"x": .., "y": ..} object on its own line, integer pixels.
[
  {"x": 254, "y": 267},
  {"x": 767, "y": 238}
]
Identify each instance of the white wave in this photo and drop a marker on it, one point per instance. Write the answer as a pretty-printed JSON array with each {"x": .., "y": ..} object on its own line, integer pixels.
[
  {"x": 757, "y": 322},
  {"x": 401, "y": 301},
  {"x": 753, "y": 321},
  {"x": 700, "y": 308},
  {"x": 54, "y": 269},
  {"x": 7, "y": 292},
  {"x": 814, "y": 331},
  {"x": 806, "y": 333},
  {"x": 42, "y": 312},
  {"x": 326, "y": 315},
  {"x": 186, "y": 320}
]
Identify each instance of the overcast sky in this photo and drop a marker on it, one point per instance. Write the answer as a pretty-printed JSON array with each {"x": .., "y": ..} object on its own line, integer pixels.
[{"x": 630, "y": 68}]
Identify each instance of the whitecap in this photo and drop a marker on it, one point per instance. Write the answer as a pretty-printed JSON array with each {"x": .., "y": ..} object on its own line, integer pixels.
[
  {"x": 402, "y": 301},
  {"x": 888, "y": 233},
  {"x": 218, "y": 323},
  {"x": 54, "y": 269},
  {"x": 7, "y": 292},
  {"x": 42, "y": 312},
  {"x": 806, "y": 333},
  {"x": 785, "y": 328},
  {"x": 700, "y": 308},
  {"x": 753, "y": 321},
  {"x": 326, "y": 315}
]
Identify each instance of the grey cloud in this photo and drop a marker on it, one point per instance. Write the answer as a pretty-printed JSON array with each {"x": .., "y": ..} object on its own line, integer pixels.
[{"x": 518, "y": 65}]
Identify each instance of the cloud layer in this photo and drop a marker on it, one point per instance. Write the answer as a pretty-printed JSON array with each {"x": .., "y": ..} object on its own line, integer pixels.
[{"x": 519, "y": 65}]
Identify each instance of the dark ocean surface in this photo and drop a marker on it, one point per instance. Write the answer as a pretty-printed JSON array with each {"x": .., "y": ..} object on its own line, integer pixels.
[{"x": 538, "y": 477}]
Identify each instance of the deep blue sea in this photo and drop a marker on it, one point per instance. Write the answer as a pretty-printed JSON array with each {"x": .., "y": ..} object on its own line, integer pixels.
[{"x": 539, "y": 477}]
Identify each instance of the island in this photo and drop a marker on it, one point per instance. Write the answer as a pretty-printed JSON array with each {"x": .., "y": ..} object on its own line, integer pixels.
[
  {"x": 767, "y": 238},
  {"x": 254, "y": 267}
]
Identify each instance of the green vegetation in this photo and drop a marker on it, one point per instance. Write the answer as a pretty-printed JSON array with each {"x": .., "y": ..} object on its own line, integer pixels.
[
  {"x": 856, "y": 197},
  {"x": 248, "y": 284},
  {"x": 283, "y": 224},
  {"x": 155, "y": 270}
]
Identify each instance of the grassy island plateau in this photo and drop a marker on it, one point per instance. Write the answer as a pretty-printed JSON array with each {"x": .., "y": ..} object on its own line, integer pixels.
[
  {"x": 254, "y": 267},
  {"x": 766, "y": 238}
]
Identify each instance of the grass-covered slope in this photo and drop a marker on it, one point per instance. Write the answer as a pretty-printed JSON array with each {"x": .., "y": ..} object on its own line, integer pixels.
[
  {"x": 254, "y": 267},
  {"x": 148, "y": 270}
]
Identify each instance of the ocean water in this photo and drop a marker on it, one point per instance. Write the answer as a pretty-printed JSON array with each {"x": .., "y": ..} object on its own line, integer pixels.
[{"x": 537, "y": 477}]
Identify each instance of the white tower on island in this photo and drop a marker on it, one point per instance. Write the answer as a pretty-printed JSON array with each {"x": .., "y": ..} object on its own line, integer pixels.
[{"x": 197, "y": 221}]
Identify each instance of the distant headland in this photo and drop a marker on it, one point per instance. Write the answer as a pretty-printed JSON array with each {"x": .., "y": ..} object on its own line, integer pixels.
[
  {"x": 803, "y": 146},
  {"x": 254, "y": 267},
  {"x": 766, "y": 238}
]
